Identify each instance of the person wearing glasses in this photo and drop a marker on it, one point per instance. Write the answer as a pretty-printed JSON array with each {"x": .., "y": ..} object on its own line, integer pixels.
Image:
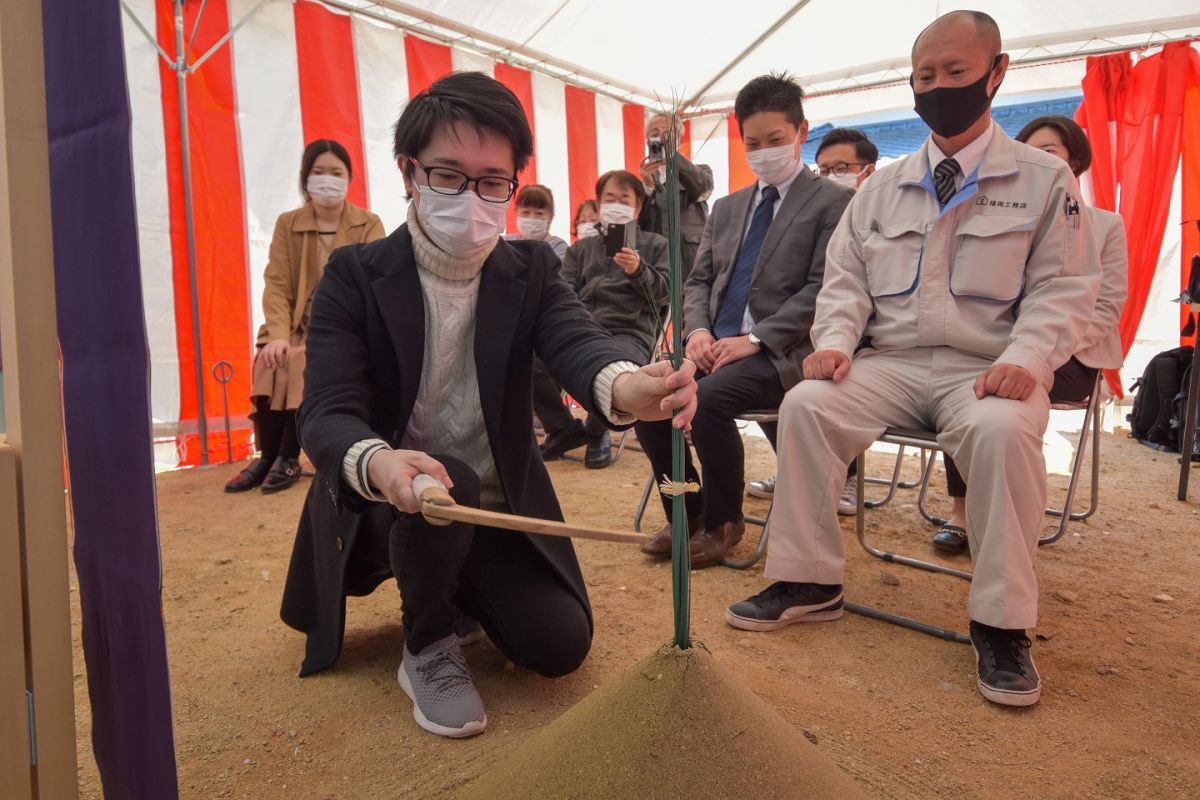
[
  {"x": 420, "y": 349},
  {"x": 846, "y": 156}
]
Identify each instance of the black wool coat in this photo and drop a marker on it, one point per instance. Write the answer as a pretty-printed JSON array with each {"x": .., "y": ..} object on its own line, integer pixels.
[{"x": 366, "y": 344}]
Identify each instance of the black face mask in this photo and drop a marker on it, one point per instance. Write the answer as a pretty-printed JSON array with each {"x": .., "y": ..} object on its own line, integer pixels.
[{"x": 948, "y": 111}]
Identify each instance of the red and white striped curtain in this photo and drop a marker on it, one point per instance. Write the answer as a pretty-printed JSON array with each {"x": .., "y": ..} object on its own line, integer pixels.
[{"x": 298, "y": 71}]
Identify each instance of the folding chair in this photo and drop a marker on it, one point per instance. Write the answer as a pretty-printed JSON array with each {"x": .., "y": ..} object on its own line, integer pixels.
[
  {"x": 761, "y": 548},
  {"x": 927, "y": 440},
  {"x": 1093, "y": 423}
]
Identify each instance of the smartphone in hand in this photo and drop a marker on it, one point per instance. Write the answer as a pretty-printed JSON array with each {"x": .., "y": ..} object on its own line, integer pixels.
[{"x": 619, "y": 236}]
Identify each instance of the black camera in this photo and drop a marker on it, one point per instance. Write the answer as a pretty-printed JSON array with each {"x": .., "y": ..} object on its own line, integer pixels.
[{"x": 657, "y": 152}]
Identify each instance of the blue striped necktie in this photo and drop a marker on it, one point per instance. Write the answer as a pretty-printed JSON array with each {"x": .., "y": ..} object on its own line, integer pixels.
[{"x": 733, "y": 304}]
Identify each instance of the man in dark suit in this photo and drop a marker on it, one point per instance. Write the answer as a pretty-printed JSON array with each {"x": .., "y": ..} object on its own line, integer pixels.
[
  {"x": 695, "y": 185},
  {"x": 420, "y": 348},
  {"x": 748, "y": 305}
]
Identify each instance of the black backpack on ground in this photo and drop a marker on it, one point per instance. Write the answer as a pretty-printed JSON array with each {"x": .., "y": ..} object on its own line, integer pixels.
[{"x": 1154, "y": 403}]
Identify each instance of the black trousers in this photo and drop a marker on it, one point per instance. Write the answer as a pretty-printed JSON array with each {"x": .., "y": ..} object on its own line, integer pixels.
[
  {"x": 1073, "y": 383},
  {"x": 275, "y": 431},
  {"x": 495, "y": 576},
  {"x": 547, "y": 394},
  {"x": 751, "y": 384}
]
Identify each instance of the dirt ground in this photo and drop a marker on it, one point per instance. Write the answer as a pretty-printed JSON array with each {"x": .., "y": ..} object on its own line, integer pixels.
[{"x": 897, "y": 710}]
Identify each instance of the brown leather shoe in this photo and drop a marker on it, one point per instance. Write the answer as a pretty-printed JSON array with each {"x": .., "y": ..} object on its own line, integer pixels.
[
  {"x": 711, "y": 545},
  {"x": 659, "y": 545}
]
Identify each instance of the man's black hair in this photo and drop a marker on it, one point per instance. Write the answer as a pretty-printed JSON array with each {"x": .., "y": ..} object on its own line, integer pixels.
[
  {"x": 864, "y": 149},
  {"x": 470, "y": 97},
  {"x": 777, "y": 91}
]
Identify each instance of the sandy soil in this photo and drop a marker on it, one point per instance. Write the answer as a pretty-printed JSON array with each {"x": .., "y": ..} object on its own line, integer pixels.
[{"x": 897, "y": 710}]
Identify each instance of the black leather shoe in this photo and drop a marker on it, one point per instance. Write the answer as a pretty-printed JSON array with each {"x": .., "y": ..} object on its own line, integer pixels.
[
  {"x": 950, "y": 539},
  {"x": 283, "y": 475},
  {"x": 563, "y": 441},
  {"x": 599, "y": 453},
  {"x": 250, "y": 477}
]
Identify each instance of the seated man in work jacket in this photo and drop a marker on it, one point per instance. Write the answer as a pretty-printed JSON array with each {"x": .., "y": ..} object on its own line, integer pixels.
[{"x": 966, "y": 265}]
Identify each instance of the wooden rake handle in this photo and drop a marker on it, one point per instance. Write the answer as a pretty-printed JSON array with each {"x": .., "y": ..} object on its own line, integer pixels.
[{"x": 439, "y": 508}]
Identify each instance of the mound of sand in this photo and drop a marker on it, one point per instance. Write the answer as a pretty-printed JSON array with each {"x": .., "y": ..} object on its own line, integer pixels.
[{"x": 676, "y": 725}]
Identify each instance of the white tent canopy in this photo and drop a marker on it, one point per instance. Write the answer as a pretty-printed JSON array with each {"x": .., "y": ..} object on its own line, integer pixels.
[
  {"x": 285, "y": 71},
  {"x": 703, "y": 52}
]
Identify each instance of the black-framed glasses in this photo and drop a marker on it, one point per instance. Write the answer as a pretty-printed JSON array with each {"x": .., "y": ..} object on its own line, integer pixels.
[
  {"x": 841, "y": 169},
  {"x": 445, "y": 180}
]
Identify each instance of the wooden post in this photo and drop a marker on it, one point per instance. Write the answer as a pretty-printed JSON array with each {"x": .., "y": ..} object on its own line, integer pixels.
[{"x": 33, "y": 418}]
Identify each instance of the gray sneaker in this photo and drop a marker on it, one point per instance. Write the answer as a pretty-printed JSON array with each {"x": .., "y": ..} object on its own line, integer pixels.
[
  {"x": 438, "y": 682},
  {"x": 764, "y": 489}
]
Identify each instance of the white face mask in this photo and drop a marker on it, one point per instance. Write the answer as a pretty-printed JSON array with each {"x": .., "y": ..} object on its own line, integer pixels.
[
  {"x": 326, "y": 190},
  {"x": 615, "y": 213},
  {"x": 774, "y": 165},
  {"x": 532, "y": 228},
  {"x": 849, "y": 180},
  {"x": 460, "y": 224},
  {"x": 586, "y": 230}
]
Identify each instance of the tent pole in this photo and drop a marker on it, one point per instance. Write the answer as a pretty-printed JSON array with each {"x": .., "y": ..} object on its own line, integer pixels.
[{"x": 181, "y": 70}]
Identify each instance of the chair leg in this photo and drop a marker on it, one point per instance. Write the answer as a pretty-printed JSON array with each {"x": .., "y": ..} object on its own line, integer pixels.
[
  {"x": 640, "y": 514},
  {"x": 759, "y": 550},
  {"x": 926, "y": 475},
  {"x": 891, "y": 483},
  {"x": 885, "y": 616},
  {"x": 1065, "y": 514},
  {"x": 621, "y": 445},
  {"x": 925, "y": 456}
]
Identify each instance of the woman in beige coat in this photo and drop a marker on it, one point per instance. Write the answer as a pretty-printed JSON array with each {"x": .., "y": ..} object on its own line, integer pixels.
[{"x": 303, "y": 241}]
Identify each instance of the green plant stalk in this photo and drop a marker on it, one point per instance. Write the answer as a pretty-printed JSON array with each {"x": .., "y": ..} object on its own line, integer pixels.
[{"x": 680, "y": 558}]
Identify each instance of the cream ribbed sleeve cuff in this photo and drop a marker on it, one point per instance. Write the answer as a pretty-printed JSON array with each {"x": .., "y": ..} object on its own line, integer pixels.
[
  {"x": 603, "y": 387},
  {"x": 354, "y": 467}
]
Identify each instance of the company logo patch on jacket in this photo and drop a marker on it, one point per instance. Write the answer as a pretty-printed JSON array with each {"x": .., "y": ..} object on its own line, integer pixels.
[{"x": 984, "y": 200}]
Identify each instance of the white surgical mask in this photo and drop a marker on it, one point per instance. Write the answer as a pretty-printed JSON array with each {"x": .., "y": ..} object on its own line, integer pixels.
[
  {"x": 849, "y": 180},
  {"x": 326, "y": 190},
  {"x": 774, "y": 165},
  {"x": 460, "y": 224},
  {"x": 615, "y": 213},
  {"x": 532, "y": 228},
  {"x": 586, "y": 230}
]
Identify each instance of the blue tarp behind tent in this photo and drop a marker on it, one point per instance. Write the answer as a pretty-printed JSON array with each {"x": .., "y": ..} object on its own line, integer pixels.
[{"x": 903, "y": 136}]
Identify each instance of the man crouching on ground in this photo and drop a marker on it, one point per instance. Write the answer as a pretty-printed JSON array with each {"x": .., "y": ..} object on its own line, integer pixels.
[{"x": 419, "y": 356}]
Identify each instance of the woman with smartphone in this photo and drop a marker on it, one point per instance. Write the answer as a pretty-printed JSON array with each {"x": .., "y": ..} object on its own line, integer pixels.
[{"x": 621, "y": 277}]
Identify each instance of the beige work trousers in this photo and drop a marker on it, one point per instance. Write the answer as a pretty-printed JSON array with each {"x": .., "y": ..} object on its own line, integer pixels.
[{"x": 996, "y": 443}]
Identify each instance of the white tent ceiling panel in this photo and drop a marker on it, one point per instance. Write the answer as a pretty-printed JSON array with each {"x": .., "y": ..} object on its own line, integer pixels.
[
  {"x": 264, "y": 56},
  {"x": 154, "y": 223},
  {"x": 610, "y": 135},
  {"x": 550, "y": 120},
  {"x": 382, "y": 92},
  {"x": 674, "y": 49}
]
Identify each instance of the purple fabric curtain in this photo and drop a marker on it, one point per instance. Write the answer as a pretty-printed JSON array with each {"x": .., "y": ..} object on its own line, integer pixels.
[{"x": 106, "y": 405}]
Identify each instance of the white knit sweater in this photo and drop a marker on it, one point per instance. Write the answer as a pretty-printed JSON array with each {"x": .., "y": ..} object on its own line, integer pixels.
[{"x": 448, "y": 417}]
